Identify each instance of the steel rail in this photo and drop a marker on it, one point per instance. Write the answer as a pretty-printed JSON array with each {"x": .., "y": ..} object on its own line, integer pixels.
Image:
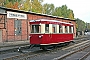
[
  {"x": 70, "y": 53},
  {"x": 85, "y": 56}
]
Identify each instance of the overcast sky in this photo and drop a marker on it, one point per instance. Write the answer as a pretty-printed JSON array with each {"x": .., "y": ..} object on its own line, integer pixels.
[{"x": 81, "y": 8}]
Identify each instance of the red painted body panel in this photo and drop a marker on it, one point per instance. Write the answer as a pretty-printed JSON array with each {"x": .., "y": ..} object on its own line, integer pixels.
[{"x": 50, "y": 38}]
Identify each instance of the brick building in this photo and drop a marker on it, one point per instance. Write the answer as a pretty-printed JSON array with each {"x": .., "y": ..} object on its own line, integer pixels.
[{"x": 14, "y": 24}]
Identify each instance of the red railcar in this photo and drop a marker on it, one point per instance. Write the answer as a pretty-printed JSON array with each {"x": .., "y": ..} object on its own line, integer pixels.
[{"x": 45, "y": 32}]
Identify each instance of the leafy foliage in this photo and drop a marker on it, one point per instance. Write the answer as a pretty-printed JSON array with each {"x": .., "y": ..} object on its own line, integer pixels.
[
  {"x": 10, "y": 3},
  {"x": 2, "y": 2},
  {"x": 36, "y": 6},
  {"x": 62, "y": 11},
  {"x": 81, "y": 26},
  {"x": 26, "y": 5},
  {"x": 70, "y": 14},
  {"x": 48, "y": 9},
  {"x": 31, "y": 5},
  {"x": 87, "y": 26},
  {"x": 57, "y": 11}
]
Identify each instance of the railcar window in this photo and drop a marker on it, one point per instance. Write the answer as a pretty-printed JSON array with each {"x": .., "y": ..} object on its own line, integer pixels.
[
  {"x": 73, "y": 30},
  {"x": 70, "y": 29},
  {"x": 60, "y": 29},
  {"x": 35, "y": 29},
  {"x": 66, "y": 29},
  {"x": 46, "y": 28},
  {"x": 54, "y": 28}
]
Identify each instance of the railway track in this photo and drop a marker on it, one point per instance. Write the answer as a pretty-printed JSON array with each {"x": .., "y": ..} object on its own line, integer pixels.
[
  {"x": 78, "y": 54},
  {"x": 14, "y": 48},
  {"x": 84, "y": 56},
  {"x": 76, "y": 46},
  {"x": 28, "y": 55}
]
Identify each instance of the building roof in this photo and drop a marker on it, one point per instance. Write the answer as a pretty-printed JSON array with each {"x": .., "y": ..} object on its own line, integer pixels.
[{"x": 22, "y": 11}]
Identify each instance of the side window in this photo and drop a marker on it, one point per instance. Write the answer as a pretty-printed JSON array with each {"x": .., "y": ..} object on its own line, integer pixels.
[
  {"x": 35, "y": 29},
  {"x": 60, "y": 29},
  {"x": 70, "y": 29},
  {"x": 17, "y": 27},
  {"x": 46, "y": 28},
  {"x": 66, "y": 29},
  {"x": 54, "y": 28}
]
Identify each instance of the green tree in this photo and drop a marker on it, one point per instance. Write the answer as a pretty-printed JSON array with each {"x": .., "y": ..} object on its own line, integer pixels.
[
  {"x": 36, "y": 6},
  {"x": 70, "y": 14},
  {"x": 2, "y": 2},
  {"x": 26, "y": 5},
  {"x": 12, "y": 4},
  {"x": 80, "y": 25},
  {"x": 31, "y": 5},
  {"x": 87, "y": 26},
  {"x": 64, "y": 11},
  {"x": 13, "y": 1},
  {"x": 48, "y": 9},
  {"x": 15, "y": 5},
  {"x": 9, "y": 5},
  {"x": 57, "y": 12}
]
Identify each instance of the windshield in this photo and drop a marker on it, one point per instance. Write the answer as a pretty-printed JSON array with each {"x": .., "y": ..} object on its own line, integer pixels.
[{"x": 35, "y": 29}]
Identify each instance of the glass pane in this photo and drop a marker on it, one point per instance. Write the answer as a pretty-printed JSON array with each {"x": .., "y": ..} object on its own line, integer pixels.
[
  {"x": 17, "y": 27},
  {"x": 60, "y": 29},
  {"x": 47, "y": 28},
  {"x": 54, "y": 28},
  {"x": 35, "y": 29},
  {"x": 70, "y": 29},
  {"x": 65, "y": 29}
]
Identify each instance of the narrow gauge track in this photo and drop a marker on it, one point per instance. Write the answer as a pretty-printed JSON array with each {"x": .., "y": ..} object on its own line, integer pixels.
[
  {"x": 25, "y": 56},
  {"x": 28, "y": 55},
  {"x": 85, "y": 56},
  {"x": 76, "y": 46},
  {"x": 10, "y": 49},
  {"x": 77, "y": 54}
]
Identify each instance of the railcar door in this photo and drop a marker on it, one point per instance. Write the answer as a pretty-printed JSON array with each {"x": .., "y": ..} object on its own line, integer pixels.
[{"x": 35, "y": 33}]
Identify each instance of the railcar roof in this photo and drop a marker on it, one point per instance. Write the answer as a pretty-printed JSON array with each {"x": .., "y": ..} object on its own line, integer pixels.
[{"x": 46, "y": 20}]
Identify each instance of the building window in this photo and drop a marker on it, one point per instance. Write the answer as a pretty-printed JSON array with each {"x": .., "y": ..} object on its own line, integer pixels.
[
  {"x": 2, "y": 11},
  {"x": 17, "y": 27}
]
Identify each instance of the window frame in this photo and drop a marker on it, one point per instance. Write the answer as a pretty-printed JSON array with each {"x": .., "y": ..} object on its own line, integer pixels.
[
  {"x": 39, "y": 28},
  {"x": 17, "y": 26}
]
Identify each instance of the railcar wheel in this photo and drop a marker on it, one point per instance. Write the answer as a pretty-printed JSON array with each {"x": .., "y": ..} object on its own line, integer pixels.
[
  {"x": 44, "y": 48},
  {"x": 67, "y": 43},
  {"x": 54, "y": 47}
]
